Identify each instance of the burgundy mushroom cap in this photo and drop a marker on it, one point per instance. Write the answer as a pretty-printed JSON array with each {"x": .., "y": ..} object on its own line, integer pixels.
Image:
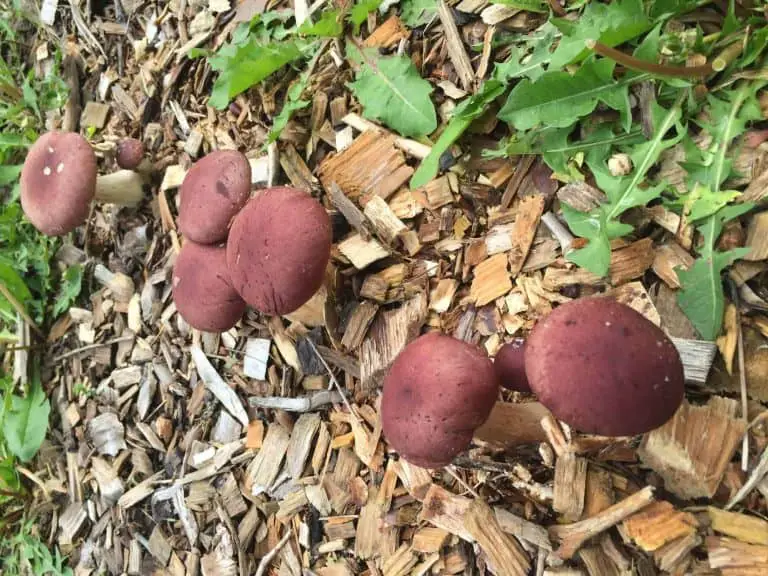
[
  {"x": 278, "y": 249},
  {"x": 58, "y": 181},
  {"x": 510, "y": 366},
  {"x": 214, "y": 190},
  {"x": 202, "y": 290},
  {"x": 603, "y": 368},
  {"x": 436, "y": 393},
  {"x": 130, "y": 153}
]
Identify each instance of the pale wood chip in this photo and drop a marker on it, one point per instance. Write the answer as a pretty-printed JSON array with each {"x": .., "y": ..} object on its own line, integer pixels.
[
  {"x": 264, "y": 468},
  {"x": 506, "y": 556},
  {"x": 215, "y": 383},
  {"x": 658, "y": 524},
  {"x": 299, "y": 447}
]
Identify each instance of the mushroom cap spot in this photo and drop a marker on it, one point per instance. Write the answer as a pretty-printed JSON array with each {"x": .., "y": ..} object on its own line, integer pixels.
[
  {"x": 130, "y": 153},
  {"x": 56, "y": 201},
  {"x": 436, "y": 393},
  {"x": 202, "y": 289},
  {"x": 510, "y": 366},
  {"x": 278, "y": 249},
  {"x": 598, "y": 366},
  {"x": 214, "y": 190}
]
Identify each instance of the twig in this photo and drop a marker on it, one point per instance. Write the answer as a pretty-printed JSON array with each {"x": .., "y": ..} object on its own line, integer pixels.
[
  {"x": 742, "y": 381},
  {"x": 20, "y": 309},
  {"x": 636, "y": 64},
  {"x": 227, "y": 519},
  {"x": 560, "y": 232},
  {"x": 301, "y": 404},
  {"x": 456, "y": 51},
  {"x": 461, "y": 482},
  {"x": 755, "y": 478},
  {"x": 89, "y": 347},
  {"x": 334, "y": 382},
  {"x": 269, "y": 556},
  {"x": 572, "y": 536}
]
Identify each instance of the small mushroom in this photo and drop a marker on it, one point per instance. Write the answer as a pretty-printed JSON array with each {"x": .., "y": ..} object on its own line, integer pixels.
[
  {"x": 202, "y": 289},
  {"x": 510, "y": 366},
  {"x": 436, "y": 393},
  {"x": 214, "y": 190},
  {"x": 130, "y": 153},
  {"x": 603, "y": 368},
  {"x": 278, "y": 250},
  {"x": 59, "y": 180}
]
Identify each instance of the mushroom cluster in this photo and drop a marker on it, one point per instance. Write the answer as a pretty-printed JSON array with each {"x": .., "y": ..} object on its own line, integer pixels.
[
  {"x": 268, "y": 252},
  {"x": 59, "y": 180},
  {"x": 596, "y": 364}
]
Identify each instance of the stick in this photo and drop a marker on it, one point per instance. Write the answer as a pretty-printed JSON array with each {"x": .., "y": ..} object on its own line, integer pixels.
[
  {"x": 560, "y": 232},
  {"x": 757, "y": 476},
  {"x": 269, "y": 556},
  {"x": 301, "y": 404},
  {"x": 572, "y": 536},
  {"x": 20, "y": 309}
]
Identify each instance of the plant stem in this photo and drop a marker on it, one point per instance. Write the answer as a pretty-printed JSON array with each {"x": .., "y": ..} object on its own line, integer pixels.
[{"x": 636, "y": 64}]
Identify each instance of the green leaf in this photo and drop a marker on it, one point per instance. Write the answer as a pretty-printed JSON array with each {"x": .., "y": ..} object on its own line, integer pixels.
[
  {"x": 559, "y": 99},
  {"x": 612, "y": 24},
  {"x": 528, "y": 5},
  {"x": 359, "y": 13},
  {"x": 701, "y": 296},
  {"x": 390, "y": 90},
  {"x": 69, "y": 289},
  {"x": 702, "y": 201},
  {"x": 9, "y": 174},
  {"x": 25, "y": 425},
  {"x": 292, "y": 104},
  {"x": 246, "y": 66},
  {"x": 13, "y": 141},
  {"x": 329, "y": 25},
  {"x": 415, "y": 13},
  {"x": 623, "y": 193}
]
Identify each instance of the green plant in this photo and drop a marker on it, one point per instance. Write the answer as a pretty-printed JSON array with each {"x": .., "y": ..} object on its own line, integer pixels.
[{"x": 24, "y": 553}]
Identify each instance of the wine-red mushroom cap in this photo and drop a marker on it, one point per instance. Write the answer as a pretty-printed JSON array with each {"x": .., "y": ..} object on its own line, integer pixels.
[
  {"x": 278, "y": 249},
  {"x": 214, "y": 190},
  {"x": 58, "y": 181},
  {"x": 603, "y": 368},
  {"x": 130, "y": 153},
  {"x": 510, "y": 366},
  {"x": 436, "y": 393},
  {"x": 202, "y": 290}
]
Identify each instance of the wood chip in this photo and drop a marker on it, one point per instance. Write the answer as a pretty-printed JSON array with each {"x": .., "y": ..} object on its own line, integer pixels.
[
  {"x": 107, "y": 434},
  {"x": 691, "y": 462},
  {"x": 528, "y": 216},
  {"x": 300, "y": 444},
  {"x": 361, "y": 252},
  {"x": 505, "y": 555},
  {"x": 570, "y": 486},
  {"x": 218, "y": 387},
  {"x": 749, "y": 529},
  {"x": 757, "y": 237},
  {"x": 264, "y": 468},
  {"x": 491, "y": 280},
  {"x": 658, "y": 524}
]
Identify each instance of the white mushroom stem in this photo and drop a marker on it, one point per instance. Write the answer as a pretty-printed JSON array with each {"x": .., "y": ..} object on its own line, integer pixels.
[
  {"x": 124, "y": 187},
  {"x": 122, "y": 286}
]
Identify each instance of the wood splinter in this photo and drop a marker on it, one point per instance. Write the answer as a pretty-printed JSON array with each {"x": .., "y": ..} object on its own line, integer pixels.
[{"x": 572, "y": 536}]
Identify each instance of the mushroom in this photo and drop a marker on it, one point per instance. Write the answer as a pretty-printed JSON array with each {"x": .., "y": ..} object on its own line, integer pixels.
[
  {"x": 436, "y": 393},
  {"x": 603, "y": 368},
  {"x": 59, "y": 180},
  {"x": 510, "y": 366},
  {"x": 202, "y": 289},
  {"x": 278, "y": 249},
  {"x": 214, "y": 190},
  {"x": 130, "y": 153}
]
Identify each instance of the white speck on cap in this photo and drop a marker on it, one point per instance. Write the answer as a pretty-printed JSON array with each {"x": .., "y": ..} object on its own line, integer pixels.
[
  {"x": 50, "y": 150},
  {"x": 59, "y": 167},
  {"x": 47, "y": 170},
  {"x": 607, "y": 323}
]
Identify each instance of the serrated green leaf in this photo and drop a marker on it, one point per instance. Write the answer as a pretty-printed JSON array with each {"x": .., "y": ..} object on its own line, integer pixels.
[
  {"x": 26, "y": 423},
  {"x": 359, "y": 13},
  {"x": 623, "y": 192},
  {"x": 415, "y": 13},
  {"x": 244, "y": 66},
  {"x": 701, "y": 296},
  {"x": 528, "y": 5},
  {"x": 559, "y": 99},
  {"x": 702, "y": 201},
  {"x": 69, "y": 289},
  {"x": 329, "y": 25},
  {"x": 391, "y": 91},
  {"x": 612, "y": 24}
]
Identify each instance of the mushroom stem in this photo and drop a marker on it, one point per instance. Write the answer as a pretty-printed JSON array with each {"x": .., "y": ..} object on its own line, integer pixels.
[
  {"x": 122, "y": 187},
  {"x": 122, "y": 286}
]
